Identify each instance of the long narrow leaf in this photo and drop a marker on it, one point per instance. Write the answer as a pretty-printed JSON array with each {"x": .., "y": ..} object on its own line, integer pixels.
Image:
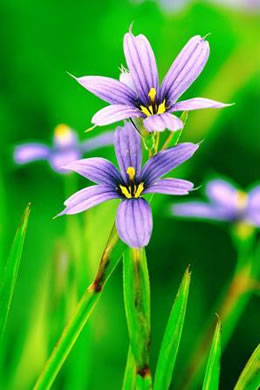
[
  {"x": 211, "y": 379},
  {"x": 130, "y": 372},
  {"x": 109, "y": 261},
  {"x": 172, "y": 336},
  {"x": 250, "y": 376},
  {"x": 11, "y": 271}
]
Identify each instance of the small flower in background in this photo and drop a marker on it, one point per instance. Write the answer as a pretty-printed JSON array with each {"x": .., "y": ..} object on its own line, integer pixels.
[
  {"x": 226, "y": 203},
  {"x": 65, "y": 149},
  {"x": 138, "y": 94},
  {"x": 169, "y": 5},
  {"x": 134, "y": 216},
  {"x": 174, "y": 6}
]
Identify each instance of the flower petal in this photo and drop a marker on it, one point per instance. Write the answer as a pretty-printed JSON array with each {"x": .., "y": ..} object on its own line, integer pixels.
[
  {"x": 59, "y": 158},
  {"x": 254, "y": 205},
  {"x": 134, "y": 222},
  {"x": 141, "y": 64},
  {"x": 222, "y": 192},
  {"x": 170, "y": 187},
  {"x": 185, "y": 69},
  {"x": 108, "y": 89},
  {"x": 87, "y": 198},
  {"x": 200, "y": 210},
  {"x": 31, "y": 152},
  {"x": 128, "y": 149},
  {"x": 100, "y": 141},
  {"x": 163, "y": 162},
  {"x": 97, "y": 169},
  {"x": 162, "y": 122},
  {"x": 114, "y": 113},
  {"x": 197, "y": 104}
]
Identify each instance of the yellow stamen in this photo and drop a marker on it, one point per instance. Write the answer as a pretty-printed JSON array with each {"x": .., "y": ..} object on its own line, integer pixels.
[
  {"x": 125, "y": 192},
  {"x": 131, "y": 173},
  {"x": 145, "y": 111},
  {"x": 62, "y": 131},
  {"x": 161, "y": 108},
  {"x": 241, "y": 199},
  {"x": 139, "y": 190},
  {"x": 152, "y": 94}
]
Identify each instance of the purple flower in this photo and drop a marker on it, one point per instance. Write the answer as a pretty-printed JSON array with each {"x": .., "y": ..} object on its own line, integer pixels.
[
  {"x": 226, "y": 203},
  {"x": 66, "y": 148},
  {"x": 130, "y": 183},
  {"x": 138, "y": 94}
]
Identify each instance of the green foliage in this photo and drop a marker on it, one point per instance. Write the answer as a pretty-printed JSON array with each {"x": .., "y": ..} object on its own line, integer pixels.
[
  {"x": 172, "y": 336},
  {"x": 137, "y": 305},
  {"x": 11, "y": 270},
  {"x": 211, "y": 379},
  {"x": 250, "y": 376}
]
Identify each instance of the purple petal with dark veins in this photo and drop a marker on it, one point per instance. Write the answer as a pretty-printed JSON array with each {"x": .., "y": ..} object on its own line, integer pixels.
[
  {"x": 141, "y": 64},
  {"x": 163, "y": 162},
  {"x": 87, "y": 198},
  {"x": 163, "y": 121},
  {"x": 108, "y": 89},
  {"x": 128, "y": 149},
  {"x": 197, "y": 104},
  {"x": 104, "y": 139},
  {"x": 185, "y": 69},
  {"x": 134, "y": 222},
  {"x": 31, "y": 152},
  {"x": 59, "y": 158},
  {"x": 253, "y": 209},
  {"x": 114, "y": 113},
  {"x": 221, "y": 192},
  {"x": 97, "y": 169},
  {"x": 201, "y": 210},
  {"x": 170, "y": 187}
]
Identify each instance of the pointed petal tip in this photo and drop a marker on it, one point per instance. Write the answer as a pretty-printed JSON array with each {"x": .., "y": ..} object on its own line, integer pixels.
[
  {"x": 59, "y": 215},
  {"x": 71, "y": 75}
]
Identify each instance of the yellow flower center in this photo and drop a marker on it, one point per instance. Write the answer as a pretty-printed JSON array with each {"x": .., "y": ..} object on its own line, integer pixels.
[
  {"x": 62, "y": 132},
  {"x": 153, "y": 107},
  {"x": 133, "y": 190},
  {"x": 241, "y": 200}
]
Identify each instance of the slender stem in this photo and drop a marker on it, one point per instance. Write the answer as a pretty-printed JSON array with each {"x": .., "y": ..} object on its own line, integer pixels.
[
  {"x": 230, "y": 309},
  {"x": 83, "y": 310},
  {"x": 157, "y": 142},
  {"x": 137, "y": 307}
]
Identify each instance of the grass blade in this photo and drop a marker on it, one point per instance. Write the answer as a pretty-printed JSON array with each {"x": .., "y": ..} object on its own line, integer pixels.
[
  {"x": 110, "y": 259},
  {"x": 11, "y": 271},
  {"x": 250, "y": 376},
  {"x": 137, "y": 308},
  {"x": 172, "y": 336},
  {"x": 211, "y": 379},
  {"x": 130, "y": 372}
]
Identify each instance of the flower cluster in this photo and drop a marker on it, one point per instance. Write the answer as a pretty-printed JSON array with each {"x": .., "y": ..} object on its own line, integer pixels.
[{"x": 137, "y": 94}]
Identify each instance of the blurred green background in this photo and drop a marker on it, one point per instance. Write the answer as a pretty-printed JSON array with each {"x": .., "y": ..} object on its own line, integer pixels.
[{"x": 40, "y": 42}]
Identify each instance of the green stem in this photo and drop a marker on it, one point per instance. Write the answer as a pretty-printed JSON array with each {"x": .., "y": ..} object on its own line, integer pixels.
[
  {"x": 230, "y": 309},
  {"x": 83, "y": 310},
  {"x": 137, "y": 307}
]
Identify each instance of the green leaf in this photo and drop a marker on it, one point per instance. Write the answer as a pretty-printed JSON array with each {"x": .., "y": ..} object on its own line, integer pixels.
[
  {"x": 130, "y": 372},
  {"x": 109, "y": 261},
  {"x": 137, "y": 305},
  {"x": 211, "y": 379},
  {"x": 172, "y": 336},
  {"x": 250, "y": 376},
  {"x": 11, "y": 271}
]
